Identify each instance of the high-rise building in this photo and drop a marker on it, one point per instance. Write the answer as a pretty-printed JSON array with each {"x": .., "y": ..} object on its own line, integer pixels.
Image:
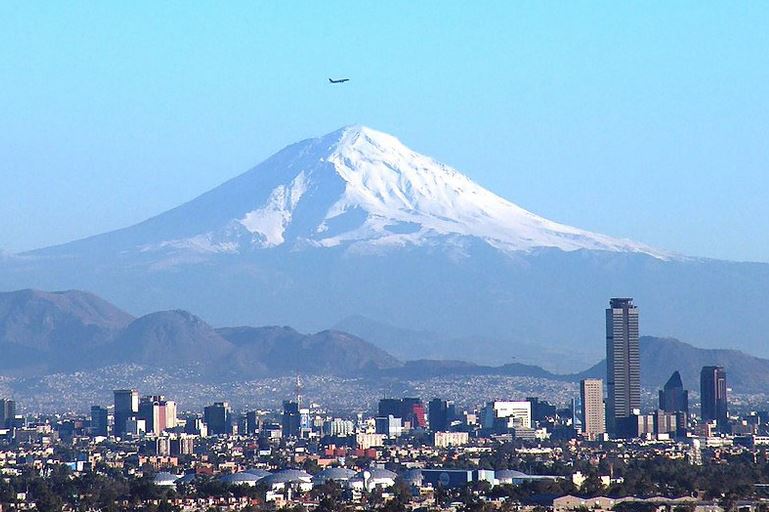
[
  {"x": 713, "y": 395},
  {"x": 504, "y": 416},
  {"x": 673, "y": 396},
  {"x": 409, "y": 410},
  {"x": 306, "y": 423},
  {"x": 126, "y": 408},
  {"x": 182, "y": 445},
  {"x": 338, "y": 427},
  {"x": 158, "y": 413},
  {"x": 291, "y": 422},
  {"x": 541, "y": 410},
  {"x": 99, "y": 424},
  {"x": 194, "y": 424},
  {"x": 593, "y": 416},
  {"x": 390, "y": 407},
  {"x": 7, "y": 412},
  {"x": 440, "y": 414},
  {"x": 666, "y": 422},
  {"x": 388, "y": 425},
  {"x": 623, "y": 363},
  {"x": 253, "y": 423},
  {"x": 418, "y": 415},
  {"x": 218, "y": 418}
]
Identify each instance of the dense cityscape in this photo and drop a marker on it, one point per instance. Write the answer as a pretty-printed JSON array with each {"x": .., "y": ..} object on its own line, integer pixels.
[{"x": 599, "y": 446}]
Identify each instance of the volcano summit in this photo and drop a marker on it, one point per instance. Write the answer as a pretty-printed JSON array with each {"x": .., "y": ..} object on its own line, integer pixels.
[{"x": 356, "y": 188}]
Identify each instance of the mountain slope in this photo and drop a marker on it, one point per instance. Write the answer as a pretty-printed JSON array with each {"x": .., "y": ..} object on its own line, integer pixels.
[
  {"x": 42, "y": 332},
  {"x": 428, "y": 368},
  {"x": 169, "y": 338},
  {"x": 660, "y": 357},
  {"x": 40, "y": 328},
  {"x": 407, "y": 344},
  {"x": 282, "y": 350}
]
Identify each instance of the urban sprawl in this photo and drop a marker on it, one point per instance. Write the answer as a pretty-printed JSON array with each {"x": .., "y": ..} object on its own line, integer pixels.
[{"x": 598, "y": 452}]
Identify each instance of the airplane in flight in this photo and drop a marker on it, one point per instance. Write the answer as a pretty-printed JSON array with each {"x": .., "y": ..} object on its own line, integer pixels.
[{"x": 340, "y": 81}]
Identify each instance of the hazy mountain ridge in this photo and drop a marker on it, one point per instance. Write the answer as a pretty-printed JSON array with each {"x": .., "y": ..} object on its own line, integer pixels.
[
  {"x": 283, "y": 350},
  {"x": 104, "y": 335},
  {"x": 408, "y": 344},
  {"x": 169, "y": 338},
  {"x": 660, "y": 357},
  {"x": 49, "y": 329},
  {"x": 178, "y": 339}
]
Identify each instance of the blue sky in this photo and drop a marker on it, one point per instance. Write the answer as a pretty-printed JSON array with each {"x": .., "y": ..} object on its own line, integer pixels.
[{"x": 646, "y": 120}]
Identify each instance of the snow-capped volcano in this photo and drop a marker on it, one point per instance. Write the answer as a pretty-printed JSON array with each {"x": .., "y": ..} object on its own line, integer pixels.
[
  {"x": 356, "y": 223},
  {"x": 364, "y": 189}
]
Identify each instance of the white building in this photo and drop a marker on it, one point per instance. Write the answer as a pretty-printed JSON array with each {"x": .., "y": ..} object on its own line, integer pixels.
[
  {"x": 338, "y": 427},
  {"x": 517, "y": 414},
  {"x": 446, "y": 439},
  {"x": 389, "y": 426},
  {"x": 366, "y": 441},
  {"x": 135, "y": 427}
]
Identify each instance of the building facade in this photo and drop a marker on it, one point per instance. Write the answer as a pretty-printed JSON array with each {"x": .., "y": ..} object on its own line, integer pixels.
[
  {"x": 158, "y": 413},
  {"x": 501, "y": 416},
  {"x": 126, "y": 408},
  {"x": 623, "y": 363},
  {"x": 673, "y": 396},
  {"x": 99, "y": 421},
  {"x": 291, "y": 421},
  {"x": 593, "y": 411},
  {"x": 218, "y": 418},
  {"x": 7, "y": 412},
  {"x": 713, "y": 396}
]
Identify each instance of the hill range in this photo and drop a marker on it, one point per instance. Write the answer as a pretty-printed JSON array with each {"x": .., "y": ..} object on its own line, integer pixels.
[{"x": 46, "y": 332}]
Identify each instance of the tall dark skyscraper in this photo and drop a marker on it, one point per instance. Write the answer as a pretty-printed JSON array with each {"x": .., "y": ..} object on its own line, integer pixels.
[
  {"x": 99, "y": 426},
  {"x": 623, "y": 362},
  {"x": 126, "y": 407},
  {"x": 440, "y": 413},
  {"x": 713, "y": 395},
  {"x": 218, "y": 417},
  {"x": 253, "y": 423},
  {"x": 673, "y": 396},
  {"x": 391, "y": 407},
  {"x": 291, "y": 422},
  {"x": 7, "y": 412}
]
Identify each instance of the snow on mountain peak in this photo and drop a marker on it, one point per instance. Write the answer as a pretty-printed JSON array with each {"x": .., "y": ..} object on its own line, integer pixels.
[{"x": 365, "y": 190}]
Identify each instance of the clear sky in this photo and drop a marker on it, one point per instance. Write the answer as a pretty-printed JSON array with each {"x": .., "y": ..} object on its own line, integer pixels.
[{"x": 646, "y": 120}]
